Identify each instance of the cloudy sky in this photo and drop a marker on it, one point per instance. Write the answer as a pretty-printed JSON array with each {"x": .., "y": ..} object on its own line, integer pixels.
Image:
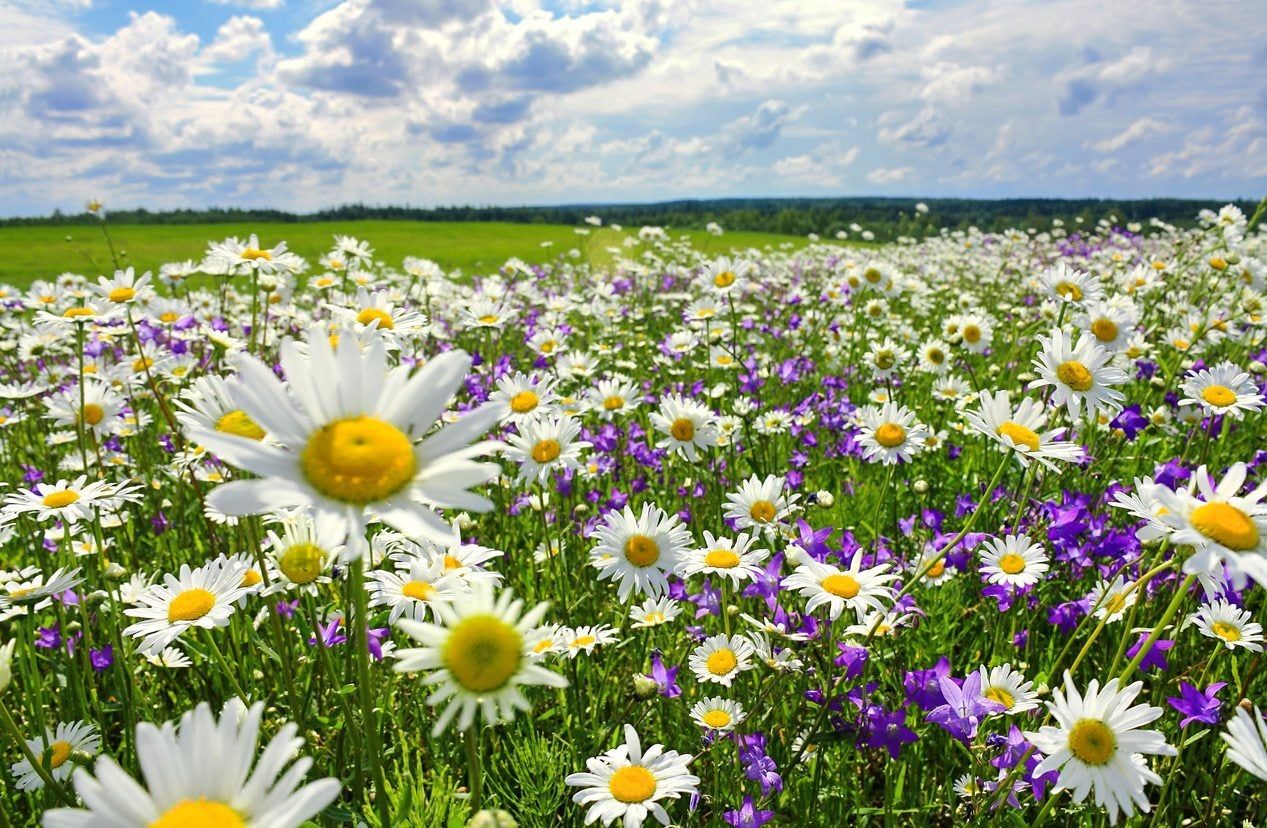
[{"x": 302, "y": 104}]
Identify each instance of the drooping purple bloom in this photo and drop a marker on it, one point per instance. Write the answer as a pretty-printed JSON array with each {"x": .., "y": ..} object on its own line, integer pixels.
[
  {"x": 1197, "y": 705},
  {"x": 665, "y": 678},
  {"x": 748, "y": 815},
  {"x": 964, "y": 709}
]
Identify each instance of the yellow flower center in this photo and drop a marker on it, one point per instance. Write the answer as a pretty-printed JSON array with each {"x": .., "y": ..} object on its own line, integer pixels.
[
  {"x": 483, "y": 653},
  {"x": 199, "y": 813},
  {"x": 885, "y": 360},
  {"x": 583, "y": 641},
  {"x": 724, "y": 279},
  {"x": 971, "y": 334},
  {"x": 77, "y": 313},
  {"x": 722, "y": 662},
  {"x": 524, "y": 401},
  {"x": 641, "y": 550},
  {"x": 842, "y": 586},
  {"x": 546, "y": 451},
  {"x": 253, "y": 253},
  {"x": 169, "y": 317},
  {"x": 1020, "y": 435},
  {"x": 93, "y": 413},
  {"x": 359, "y": 460},
  {"x": 251, "y": 578},
  {"x": 60, "y": 500},
  {"x": 682, "y": 429},
  {"x": 998, "y": 694},
  {"x": 239, "y": 423},
  {"x": 1219, "y": 395},
  {"x": 547, "y": 347},
  {"x": 1115, "y": 602},
  {"x": 1105, "y": 330},
  {"x": 936, "y": 356},
  {"x": 382, "y": 317},
  {"x": 762, "y": 511},
  {"x": 121, "y": 294},
  {"x": 1075, "y": 375},
  {"x": 937, "y": 569},
  {"x": 721, "y": 559},
  {"x": 1012, "y": 563},
  {"x": 60, "y": 752},
  {"x": 632, "y": 784},
  {"x": 716, "y": 719},
  {"x": 451, "y": 563},
  {"x": 1070, "y": 291},
  {"x": 190, "y": 605},
  {"x": 418, "y": 590},
  {"x": 890, "y": 435},
  {"x": 302, "y": 563},
  {"x": 614, "y": 402},
  {"x": 488, "y": 319},
  {"x": 1226, "y": 631},
  {"x": 1092, "y": 742},
  {"x": 1225, "y": 524}
]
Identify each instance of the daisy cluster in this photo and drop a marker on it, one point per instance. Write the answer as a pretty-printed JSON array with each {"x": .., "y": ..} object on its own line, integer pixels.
[{"x": 971, "y": 528}]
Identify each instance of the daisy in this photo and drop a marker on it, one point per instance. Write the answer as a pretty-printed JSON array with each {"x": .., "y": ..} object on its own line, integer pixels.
[
  {"x": 124, "y": 288},
  {"x": 735, "y": 559},
  {"x": 305, "y": 549},
  {"x": 686, "y": 425},
  {"x": 717, "y": 714},
  {"x": 613, "y": 397},
  {"x": 545, "y": 445},
  {"x": 1111, "y": 600},
  {"x": 653, "y": 612},
  {"x": 171, "y": 658},
  {"x": 1078, "y": 373},
  {"x": 721, "y": 658},
  {"x": 235, "y": 257},
  {"x": 890, "y": 434},
  {"x": 477, "y": 657},
  {"x": 781, "y": 661},
  {"x": 346, "y": 428},
  {"x": 1067, "y": 284},
  {"x": 855, "y": 588},
  {"x": 486, "y": 313},
  {"x": 1246, "y": 739},
  {"x": 585, "y": 639},
  {"x": 1095, "y": 744},
  {"x": 99, "y": 413},
  {"x": 627, "y": 785},
  {"x": 877, "y": 623},
  {"x": 974, "y": 332},
  {"x": 200, "y": 773},
  {"x": 1014, "y": 560},
  {"x": 203, "y": 597},
  {"x": 32, "y": 590},
  {"x": 1112, "y": 323},
  {"x": 520, "y": 397},
  {"x": 415, "y": 586},
  {"x": 1022, "y": 430},
  {"x": 548, "y": 342},
  {"x": 1227, "y": 623},
  {"x": 69, "y": 500},
  {"x": 69, "y": 739},
  {"x": 639, "y": 550},
  {"x": 1224, "y": 390},
  {"x": 1008, "y": 687},
  {"x": 726, "y": 275},
  {"x": 763, "y": 505}
]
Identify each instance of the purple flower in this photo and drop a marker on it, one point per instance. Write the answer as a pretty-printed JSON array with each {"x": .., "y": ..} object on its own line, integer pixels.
[
  {"x": 964, "y": 709},
  {"x": 923, "y": 687},
  {"x": 1156, "y": 656},
  {"x": 665, "y": 678},
  {"x": 1195, "y": 705},
  {"x": 101, "y": 659},
  {"x": 888, "y": 730},
  {"x": 758, "y": 766},
  {"x": 747, "y": 816}
]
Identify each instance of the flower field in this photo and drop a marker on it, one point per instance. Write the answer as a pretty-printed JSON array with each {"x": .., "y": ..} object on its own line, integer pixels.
[{"x": 967, "y": 529}]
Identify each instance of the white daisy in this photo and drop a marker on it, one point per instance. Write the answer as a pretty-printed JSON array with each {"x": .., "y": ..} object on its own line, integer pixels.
[
  {"x": 890, "y": 434},
  {"x": 68, "y": 739},
  {"x": 1230, "y": 624},
  {"x": 639, "y": 551},
  {"x": 855, "y": 588},
  {"x": 1079, "y": 374},
  {"x": 1007, "y": 686},
  {"x": 202, "y": 597},
  {"x": 653, "y": 612},
  {"x": 717, "y": 714},
  {"x": 1014, "y": 560},
  {"x": 1021, "y": 430},
  {"x": 419, "y": 585},
  {"x": 687, "y": 426},
  {"x": 734, "y": 559},
  {"x": 1246, "y": 739},
  {"x": 627, "y": 785},
  {"x": 544, "y": 445},
  {"x": 721, "y": 658},
  {"x": 761, "y": 504},
  {"x": 1224, "y": 390}
]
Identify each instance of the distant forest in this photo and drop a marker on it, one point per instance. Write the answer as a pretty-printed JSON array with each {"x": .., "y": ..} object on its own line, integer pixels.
[{"x": 886, "y": 217}]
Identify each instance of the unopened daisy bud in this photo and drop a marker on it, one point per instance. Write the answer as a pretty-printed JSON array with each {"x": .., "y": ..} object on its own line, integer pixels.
[
  {"x": 1243, "y": 704},
  {"x": 492, "y": 818},
  {"x": 1157, "y": 382},
  {"x": 6, "y": 663},
  {"x": 825, "y": 499},
  {"x": 732, "y": 610},
  {"x": 465, "y": 521},
  {"x": 96, "y": 597},
  {"x": 72, "y": 627},
  {"x": 921, "y": 486},
  {"x": 114, "y": 570},
  {"x": 1256, "y": 367},
  {"x": 581, "y": 509},
  {"x": 644, "y": 687}
]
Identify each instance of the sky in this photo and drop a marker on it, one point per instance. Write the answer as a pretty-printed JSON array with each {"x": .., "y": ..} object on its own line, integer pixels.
[{"x": 304, "y": 104}]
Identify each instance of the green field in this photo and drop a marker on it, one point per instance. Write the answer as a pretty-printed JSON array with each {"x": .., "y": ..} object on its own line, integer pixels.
[{"x": 29, "y": 253}]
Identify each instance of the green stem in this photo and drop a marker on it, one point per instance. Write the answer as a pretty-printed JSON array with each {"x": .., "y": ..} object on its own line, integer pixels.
[{"x": 1169, "y": 616}]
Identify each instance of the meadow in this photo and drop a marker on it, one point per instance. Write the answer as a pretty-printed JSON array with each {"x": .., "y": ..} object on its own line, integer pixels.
[{"x": 303, "y": 529}]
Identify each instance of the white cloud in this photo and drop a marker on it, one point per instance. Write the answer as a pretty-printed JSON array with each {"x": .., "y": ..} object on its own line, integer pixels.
[
  {"x": 239, "y": 38},
  {"x": 262, "y": 5},
  {"x": 1137, "y": 130},
  {"x": 889, "y": 175}
]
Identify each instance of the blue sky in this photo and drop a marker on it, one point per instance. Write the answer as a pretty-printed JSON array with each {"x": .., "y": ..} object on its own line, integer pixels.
[{"x": 303, "y": 104}]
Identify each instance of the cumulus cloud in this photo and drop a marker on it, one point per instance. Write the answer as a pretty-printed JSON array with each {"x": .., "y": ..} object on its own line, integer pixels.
[
  {"x": 1137, "y": 130},
  {"x": 889, "y": 175},
  {"x": 263, "y": 5},
  {"x": 925, "y": 129},
  {"x": 238, "y": 39},
  {"x": 1099, "y": 78}
]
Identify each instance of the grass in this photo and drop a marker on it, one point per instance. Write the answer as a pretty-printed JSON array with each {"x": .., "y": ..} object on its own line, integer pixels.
[{"x": 30, "y": 253}]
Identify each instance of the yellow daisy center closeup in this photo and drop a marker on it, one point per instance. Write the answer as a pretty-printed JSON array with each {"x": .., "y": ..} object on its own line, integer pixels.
[
  {"x": 302, "y": 563},
  {"x": 199, "y": 813},
  {"x": 60, "y": 500},
  {"x": 1115, "y": 602},
  {"x": 936, "y": 570},
  {"x": 721, "y": 559},
  {"x": 418, "y": 590},
  {"x": 1105, "y": 330},
  {"x": 1226, "y": 630},
  {"x": 524, "y": 401},
  {"x": 450, "y": 562},
  {"x": 1021, "y": 436},
  {"x": 890, "y": 435},
  {"x": 546, "y": 451},
  {"x": 632, "y": 784},
  {"x": 762, "y": 511},
  {"x": 885, "y": 360},
  {"x": 722, "y": 662},
  {"x": 483, "y": 653},
  {"x": 190, "y": 605},
  {"x": 971, "y": 334},
  {"x": 872, "y": 275},
  {"x": 77, "y": 313},
  {"x": 716, "y": 719},
  {"x": 239, "y": 422},
  {"x": 251, "y": 578},
  {"x": 359, "y": 460},
  {"x": 1219, "y": 395},
  {"x": 614, "y": 402},
  {"x": 682, "y": 429},
  {"x": 583, "y": 641},
  {"x": 1092, "y": 742},
  {"x": 93, "y": 413},
  {"x": 641, "y": 550},
  {"x": 1075, "y": 375},
  {"x": 382, "y": 317},
  {"x": 724, "y": 279},
  {"x": 1225, "y": 524},
  {"x": 253, "y": 253},
  {"x": 142, "y": 364},
  {"x": 842, "y": 586},
  {"x": 998, "y": 694},
  {"x": 121, "y": 294},
  {"x": 1012, "y": 563},
  {"x": 1070, "y": 291},
  {"x": 59, "y": 752},
  {"x": 488, "y": 319}
]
